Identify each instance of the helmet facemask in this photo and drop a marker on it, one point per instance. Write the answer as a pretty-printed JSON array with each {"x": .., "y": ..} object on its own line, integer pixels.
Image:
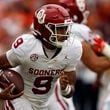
[{"x": 59, "y": 33}]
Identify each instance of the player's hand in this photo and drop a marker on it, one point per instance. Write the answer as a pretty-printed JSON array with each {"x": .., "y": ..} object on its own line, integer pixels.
[
  {"x": 63, "y": 82},
  {"x": 99, "y": 44},
  {"x": 6, "y": 94}
]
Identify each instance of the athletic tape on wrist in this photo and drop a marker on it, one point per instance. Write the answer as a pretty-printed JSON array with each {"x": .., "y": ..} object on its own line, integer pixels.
[
  {"x": 67, "y": 90},
  {"x": 106, "y": 50}
]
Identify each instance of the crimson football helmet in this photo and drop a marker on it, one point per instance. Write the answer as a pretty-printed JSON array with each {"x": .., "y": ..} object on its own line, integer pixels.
[
  {"x": 52, "y": 23},
  {"x": 77, "y": 9}
]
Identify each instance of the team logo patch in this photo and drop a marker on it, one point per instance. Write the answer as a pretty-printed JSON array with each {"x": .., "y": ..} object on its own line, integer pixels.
[
  {"x": 41, "y": 16},
  {"x": 67, "y": 58},
  {"x": 34, "y": 57}
]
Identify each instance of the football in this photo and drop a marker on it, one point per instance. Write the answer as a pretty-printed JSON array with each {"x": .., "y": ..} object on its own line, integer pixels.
[{"x": 10, "y": 76}]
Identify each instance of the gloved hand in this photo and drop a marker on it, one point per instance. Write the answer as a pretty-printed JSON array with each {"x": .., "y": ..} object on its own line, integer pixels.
[{"x": 100, "y": 46}]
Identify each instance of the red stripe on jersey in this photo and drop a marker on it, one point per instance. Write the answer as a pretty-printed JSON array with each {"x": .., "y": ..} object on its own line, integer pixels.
[
  {"x": 59, "y": 100},
  {"x": 8, "y": 105}
]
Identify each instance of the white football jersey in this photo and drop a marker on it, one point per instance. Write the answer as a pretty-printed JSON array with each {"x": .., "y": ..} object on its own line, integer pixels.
[
  {"x": 38, "y": 71},
  {"x": 82, "y": 32}
]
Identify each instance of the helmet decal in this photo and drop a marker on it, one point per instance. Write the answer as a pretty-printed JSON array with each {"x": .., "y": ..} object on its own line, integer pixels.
[
  {"x": 81, "y": 5},
  {"x": 41, "y": 16}
]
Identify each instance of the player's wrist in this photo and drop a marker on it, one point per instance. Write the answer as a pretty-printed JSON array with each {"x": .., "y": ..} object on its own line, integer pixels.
[{"x": 68, "y": 91}]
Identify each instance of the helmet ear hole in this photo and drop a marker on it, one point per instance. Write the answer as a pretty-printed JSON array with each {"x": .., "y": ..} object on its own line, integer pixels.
[
  {"x": 52, "y": 27},
  {"x": 53, "y": 39}
]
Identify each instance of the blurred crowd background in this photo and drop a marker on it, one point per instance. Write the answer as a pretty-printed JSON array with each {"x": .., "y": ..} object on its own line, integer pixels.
[{"x": 16, "y": 17}]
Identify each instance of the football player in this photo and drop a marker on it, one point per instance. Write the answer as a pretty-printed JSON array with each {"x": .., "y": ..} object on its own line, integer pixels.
[
  {"x": 79, "y": 14},
  {"x": 43, "y": 56}
]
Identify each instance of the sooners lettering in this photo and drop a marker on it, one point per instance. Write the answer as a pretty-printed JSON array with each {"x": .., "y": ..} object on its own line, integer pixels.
[{"x": 45, "y": 72}]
